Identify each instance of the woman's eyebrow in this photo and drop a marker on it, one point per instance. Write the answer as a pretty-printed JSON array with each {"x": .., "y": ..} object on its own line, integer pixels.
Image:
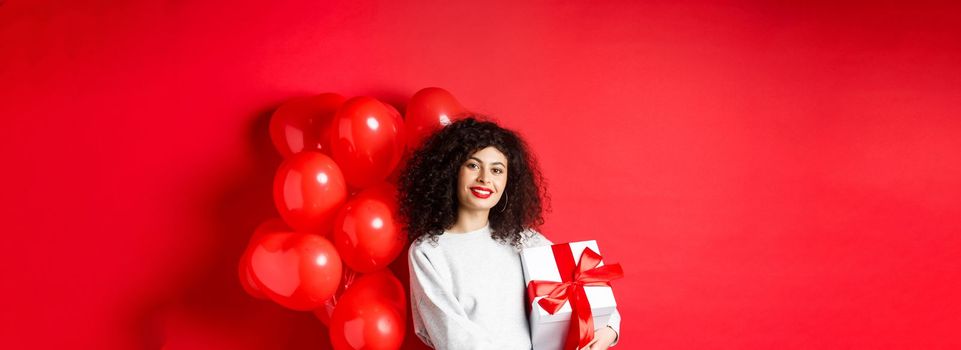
[{"x": 482, "y": 162}]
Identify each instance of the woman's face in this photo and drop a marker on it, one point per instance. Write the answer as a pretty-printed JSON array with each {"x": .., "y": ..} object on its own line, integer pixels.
[{"x": 482, "y": 179}]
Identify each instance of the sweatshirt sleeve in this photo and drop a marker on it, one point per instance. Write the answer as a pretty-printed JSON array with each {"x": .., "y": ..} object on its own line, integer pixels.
[
  {"x": 536, "y": 239},
  {"x": 439, "y": 320},
  {"x": 615, "y": 324}
]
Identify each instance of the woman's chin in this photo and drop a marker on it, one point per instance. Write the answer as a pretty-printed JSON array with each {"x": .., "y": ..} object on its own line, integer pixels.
[{"x": 477, "y": 205}]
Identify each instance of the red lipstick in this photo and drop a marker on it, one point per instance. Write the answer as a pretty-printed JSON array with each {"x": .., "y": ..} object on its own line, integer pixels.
[{"x": 481, "y": 192}]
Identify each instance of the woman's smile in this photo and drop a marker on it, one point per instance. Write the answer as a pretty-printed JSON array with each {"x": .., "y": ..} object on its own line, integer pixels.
[{"x": 481, "y": 192}]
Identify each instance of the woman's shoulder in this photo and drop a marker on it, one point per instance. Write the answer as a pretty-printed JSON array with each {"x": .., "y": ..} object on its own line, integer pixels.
[
  {"x": 423, "y": 252},
  {"x": 427, "y": 246},
  {"x": 422, "y": 245},
  {"x": 534, "y": 238}
]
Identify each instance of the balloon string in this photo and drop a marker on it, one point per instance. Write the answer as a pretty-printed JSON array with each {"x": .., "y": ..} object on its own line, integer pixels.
[{"x": 349, "y": 276}]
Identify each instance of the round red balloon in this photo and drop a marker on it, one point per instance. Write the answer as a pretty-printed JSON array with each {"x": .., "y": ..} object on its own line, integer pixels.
[
  {"x": 243, "y": 267},
  {"x": 368, "y": 141},
  {"x": 309, "y": 188},
  {"x": 371, "y": 314},
  {"x": 393, "y": 110},
  {"x": 297, "y": 270},
  {"x": 398, "y": 171},
  {"x": 324, "y": 311},
  {"x": 429, "y": 110},
  {"x": 367, "y": 233},
  {"x": 304, "y": 124},
  {"x": 383, "y": 285}
]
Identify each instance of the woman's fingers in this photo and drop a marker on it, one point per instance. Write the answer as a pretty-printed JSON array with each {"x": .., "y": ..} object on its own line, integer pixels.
[{"x": 602, "y": 339}]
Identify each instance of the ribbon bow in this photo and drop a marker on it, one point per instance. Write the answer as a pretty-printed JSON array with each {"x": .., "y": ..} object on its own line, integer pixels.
[{"x": 571, "y": 289}]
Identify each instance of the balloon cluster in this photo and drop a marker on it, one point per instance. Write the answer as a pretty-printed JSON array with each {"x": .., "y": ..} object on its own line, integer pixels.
[{"x": 336, "y": 194}]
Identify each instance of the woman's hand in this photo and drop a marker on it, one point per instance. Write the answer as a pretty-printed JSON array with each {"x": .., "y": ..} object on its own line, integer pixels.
[{"x": 602, "y": 339}]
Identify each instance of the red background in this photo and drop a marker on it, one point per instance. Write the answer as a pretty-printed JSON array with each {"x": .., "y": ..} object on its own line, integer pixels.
[{"x": 770, "y": 176}]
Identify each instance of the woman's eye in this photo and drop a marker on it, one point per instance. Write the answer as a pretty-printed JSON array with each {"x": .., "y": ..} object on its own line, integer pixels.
[
  {"x": 472, "y": 165},
  {"x": 498, "y": 171}
]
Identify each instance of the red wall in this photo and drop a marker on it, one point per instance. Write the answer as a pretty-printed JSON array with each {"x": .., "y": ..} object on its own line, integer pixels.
[{"x": 770, "y": 176}]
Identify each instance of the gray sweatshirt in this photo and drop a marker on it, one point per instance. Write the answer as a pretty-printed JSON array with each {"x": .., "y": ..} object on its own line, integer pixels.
[{"x": 467, "y": 292}]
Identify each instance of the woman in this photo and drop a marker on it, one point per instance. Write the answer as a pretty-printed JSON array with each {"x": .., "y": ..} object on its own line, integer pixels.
[{"x": 472, "y": 197}]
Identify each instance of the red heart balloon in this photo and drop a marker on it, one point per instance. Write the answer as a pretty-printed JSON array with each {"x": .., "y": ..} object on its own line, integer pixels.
[
  {"x": 368, "y": 141},
  {"x": 309, "y": 188},
  {"x": 247, "y": 281},
  {"x": 304, "y": 124},
  {"x": 243, "y": 267},
  {"x": 371, "y": 314},
  {"x": 366, "y": 232},
  {"x": 297, "y": 270},
  {"x": 429, "y": 110}
]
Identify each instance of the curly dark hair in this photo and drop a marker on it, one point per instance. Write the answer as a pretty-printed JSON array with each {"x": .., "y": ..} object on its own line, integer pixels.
[{"x": 427, "y": 186}]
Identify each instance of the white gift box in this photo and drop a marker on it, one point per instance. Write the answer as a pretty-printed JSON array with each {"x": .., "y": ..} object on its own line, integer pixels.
[{"x": 548, "y": 332}]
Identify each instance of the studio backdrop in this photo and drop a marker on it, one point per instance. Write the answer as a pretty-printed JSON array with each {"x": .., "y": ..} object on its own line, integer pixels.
[{"x": 769, "y": 175}]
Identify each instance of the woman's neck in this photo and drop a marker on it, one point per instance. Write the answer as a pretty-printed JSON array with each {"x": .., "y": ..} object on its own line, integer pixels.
[{"x": 469, "y": 221}]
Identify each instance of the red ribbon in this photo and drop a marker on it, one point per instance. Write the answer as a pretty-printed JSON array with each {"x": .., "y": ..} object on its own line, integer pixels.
[{"x": 571, "y": 289}]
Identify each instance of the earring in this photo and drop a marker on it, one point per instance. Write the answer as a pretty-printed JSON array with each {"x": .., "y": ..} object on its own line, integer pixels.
[{"x": 505, "y": 202}]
